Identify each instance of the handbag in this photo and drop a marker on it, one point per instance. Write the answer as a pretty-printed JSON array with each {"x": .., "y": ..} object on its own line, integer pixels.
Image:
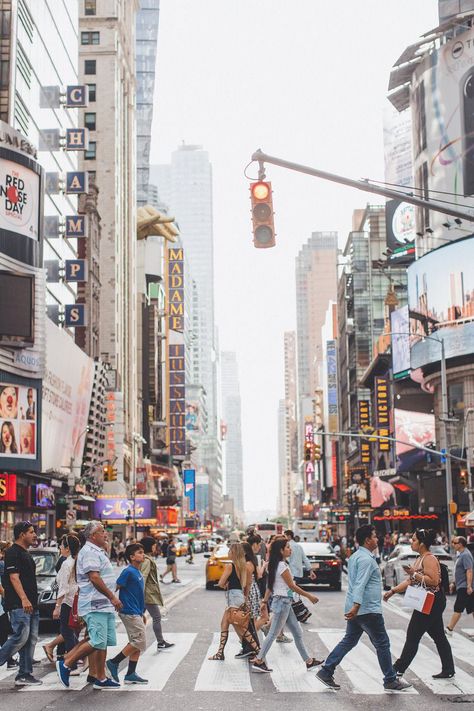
[
  {"x": 301, "y": 611},
  {"x": 75, "y": 622},
  {"x": 239, "y": 616},
  {"x": 419, "y": 598}
]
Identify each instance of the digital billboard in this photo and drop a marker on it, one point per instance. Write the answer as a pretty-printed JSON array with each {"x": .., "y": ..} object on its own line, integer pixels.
[
  {"x": 18, "y": 421},
  {"x": 412, "y": 430},
  {"x": 19, "y": 199},
  {"x": 441, "y": 290}
]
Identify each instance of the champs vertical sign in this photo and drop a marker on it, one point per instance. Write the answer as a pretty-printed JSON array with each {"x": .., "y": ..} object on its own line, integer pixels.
[{"x": 176, "y": 354}]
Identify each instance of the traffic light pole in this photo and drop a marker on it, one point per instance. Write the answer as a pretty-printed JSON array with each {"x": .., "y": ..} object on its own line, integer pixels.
[{"x": 364, "y": 185}]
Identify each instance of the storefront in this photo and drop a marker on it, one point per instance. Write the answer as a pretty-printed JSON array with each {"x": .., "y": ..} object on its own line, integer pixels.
[
  {"x": 26, "y": 497},
  {"x": 400, "y": 520}
]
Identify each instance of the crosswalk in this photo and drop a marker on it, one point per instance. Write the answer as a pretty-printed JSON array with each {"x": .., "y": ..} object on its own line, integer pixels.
[{"x": 359, "y": 672}]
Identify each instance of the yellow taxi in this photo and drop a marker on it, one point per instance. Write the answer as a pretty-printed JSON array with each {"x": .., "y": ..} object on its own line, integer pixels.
[
  {"x": 215, "y": 564},
  {"x": 181, "y": 546}
]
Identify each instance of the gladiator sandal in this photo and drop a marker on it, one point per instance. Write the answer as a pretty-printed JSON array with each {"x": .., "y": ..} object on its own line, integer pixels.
[
  {"x": 247, "y": 638},
  {"x": 219, "y": 655},
  {"x": 253, "y": 631}
]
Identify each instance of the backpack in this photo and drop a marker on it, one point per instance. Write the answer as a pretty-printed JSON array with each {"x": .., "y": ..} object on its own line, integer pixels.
[{"x": 444, "y": 577}]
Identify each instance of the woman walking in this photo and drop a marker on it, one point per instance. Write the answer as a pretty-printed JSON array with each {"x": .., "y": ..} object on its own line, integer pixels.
[
  {"x": 235, "y": 581},
  {"x": 282, "y": 585},
  {"x": 425, "y": 572},
  {"x": 153, "y": 597},
  {"x": 171, "y": 566},
  {"x": 67, "y": 588}
]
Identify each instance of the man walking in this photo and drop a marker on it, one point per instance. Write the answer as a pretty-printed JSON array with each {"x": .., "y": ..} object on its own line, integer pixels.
[
  {"x": 21, "y": 602},
  {"x": 97, "y": 606},
  {"x": 462, "y": 582},
  {"x": 363, "y": 612},
  {"x": 298, "y": 560}
]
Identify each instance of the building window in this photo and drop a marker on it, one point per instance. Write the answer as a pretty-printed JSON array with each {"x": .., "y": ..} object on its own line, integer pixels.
[
  {"x": 90, "y": 121},
  {"x": 91, "y": 152},
  {"x": 91, "y": 174},
  {"x": 90, "y": 37},
  {"x": 90, "y": 7},
  {"x": 89, "y": 66},
  {"x": 92, "y": 90}
]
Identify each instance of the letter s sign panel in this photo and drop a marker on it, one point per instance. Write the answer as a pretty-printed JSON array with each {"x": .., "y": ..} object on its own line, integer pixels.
[{"x": 74, "y": 315}]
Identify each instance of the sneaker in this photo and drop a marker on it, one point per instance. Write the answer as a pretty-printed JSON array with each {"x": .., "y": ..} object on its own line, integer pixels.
[
  {"x": 313, "y": 664},
  {"x": 63, "y": 673},
  {"x": 284, "y": 638},
  {"x": 448, "y": 632},
  {"x": 260, "y": 667},
  {"x": 164, "y": 645},
  {"x": 176, "y": 581},
  {"x": 134, "y": 679},
  {"x": 113, "y": 668},
  {"x": 329, "y": 681},
  {"x": 397, "y": 685},
  {"x": 91, "y": 679},
  {"x": 244, "y": 653},
  {"x": 106, "y": 684},
  {"x": 27, "y": 680},
  {"x": 12, "y": 664}
]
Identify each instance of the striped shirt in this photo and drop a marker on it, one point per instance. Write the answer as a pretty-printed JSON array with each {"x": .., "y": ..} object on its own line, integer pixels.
[{"x": 90, "y": 559}]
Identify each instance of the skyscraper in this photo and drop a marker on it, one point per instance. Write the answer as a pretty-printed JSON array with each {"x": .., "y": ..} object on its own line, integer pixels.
[{"x": 232, "y": 415}]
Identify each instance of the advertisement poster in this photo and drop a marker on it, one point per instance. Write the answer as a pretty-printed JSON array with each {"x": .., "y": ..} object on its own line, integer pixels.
[
  {"x": 400, "y": 328},
  {"x": 116, "y": 509},
  {"x": 189, "y": 478},
  {"x": 18, "y": 425},
  {"x": 413, "y": 429},
  {"x": 19, "y": 199},
  {"x": 67, "y": 389},
  {"x": 192, "y": 417}
]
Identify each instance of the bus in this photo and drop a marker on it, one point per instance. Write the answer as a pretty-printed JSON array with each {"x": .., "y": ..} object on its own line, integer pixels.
[
  {"x": 307, "y": 529},
  {"x": 268, "y": 528}
]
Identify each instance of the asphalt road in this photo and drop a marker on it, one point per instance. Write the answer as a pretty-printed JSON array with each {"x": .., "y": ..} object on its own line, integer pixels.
[{"x": 184, "y": 679}]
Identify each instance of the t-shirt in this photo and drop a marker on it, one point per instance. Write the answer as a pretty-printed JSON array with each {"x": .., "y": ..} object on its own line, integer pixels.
[
  {"x": 464, "y": 562},
  {"x": 132, "y": 591},
  {"x": 90, "y": 559},
  {"x": 18, "y": 560},
  {"x": 279, "y": 586}
]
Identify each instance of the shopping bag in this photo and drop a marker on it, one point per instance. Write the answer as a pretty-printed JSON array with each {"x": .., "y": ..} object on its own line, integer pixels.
[{"x": 419, "y": 598}]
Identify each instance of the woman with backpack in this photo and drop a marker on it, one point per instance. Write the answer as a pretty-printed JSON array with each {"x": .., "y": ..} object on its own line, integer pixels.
[{"x": 425, "y": 572}]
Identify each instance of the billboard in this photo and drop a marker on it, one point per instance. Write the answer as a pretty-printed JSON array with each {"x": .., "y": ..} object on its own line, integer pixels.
[
  {"x": 413, "y": 429},
  {"x": 189, "y": 479},
  {"x": 382, "y": 413},
  {"x": 441, "y": 290},
  {"x": 67, "y": 389},
  {"x": 400, "y": 324},
  {"x": 331, "y": 355},
  {"x": 192, "y": 417},
  {"x": 118, "y": 509},
  {"x": 18, "y": 422},
  {"x": 19, "y": 199}
]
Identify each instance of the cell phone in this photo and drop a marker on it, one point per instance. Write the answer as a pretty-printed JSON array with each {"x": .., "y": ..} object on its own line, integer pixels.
[{"x": 406, "y": 568}]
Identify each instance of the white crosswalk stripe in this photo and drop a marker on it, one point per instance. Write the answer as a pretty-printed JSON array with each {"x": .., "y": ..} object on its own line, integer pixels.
[{"x": 359, "y": 672}]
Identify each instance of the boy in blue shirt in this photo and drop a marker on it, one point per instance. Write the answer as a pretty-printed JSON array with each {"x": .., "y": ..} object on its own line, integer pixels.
[{"x": 132, "y": 596}]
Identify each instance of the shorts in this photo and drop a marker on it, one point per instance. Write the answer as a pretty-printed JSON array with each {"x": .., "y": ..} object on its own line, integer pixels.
[
  {"x": 136, "y": 630},
  {"x": 235, "y": 598},
  {"x": 464, "y": 601},
  {"x": 171, "y": 560},
  {"x": 101, "y": 629}
]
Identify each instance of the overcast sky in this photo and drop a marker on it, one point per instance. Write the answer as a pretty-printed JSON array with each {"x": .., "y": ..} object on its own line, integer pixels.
[{"x": 304, "y": 80}]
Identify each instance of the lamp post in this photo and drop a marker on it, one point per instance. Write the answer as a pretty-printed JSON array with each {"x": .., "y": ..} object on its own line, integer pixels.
[
  {"x": 71, "y": 480},
  {"x": 136, "y": 439}
]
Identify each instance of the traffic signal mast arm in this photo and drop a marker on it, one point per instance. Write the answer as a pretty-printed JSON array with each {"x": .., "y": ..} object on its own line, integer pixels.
[
  {"x": 370, "y": 436},
  {"x": 363, "y": 185}
]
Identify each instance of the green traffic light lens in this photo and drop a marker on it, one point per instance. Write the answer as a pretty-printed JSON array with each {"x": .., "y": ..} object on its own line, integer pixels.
[{"x": 263, "y": 235}]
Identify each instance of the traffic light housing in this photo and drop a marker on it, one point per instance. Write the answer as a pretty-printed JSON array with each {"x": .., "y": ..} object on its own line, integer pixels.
[
  {"x": 317, "y": 452},
  {"x": 110, "y": 472},
  {"x": 262, "y": 214},
  {"x": 463, "y": 478},
  {"x": 308, "y": 451}
]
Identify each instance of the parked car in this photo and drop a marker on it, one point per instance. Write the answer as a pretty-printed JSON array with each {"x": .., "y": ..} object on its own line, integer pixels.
[
  {"x": 45, "y": 561},
  {"x": 215, "y": 565},
  {"x": 325, "y": 563},
  {"x": 392, "y": 568}
]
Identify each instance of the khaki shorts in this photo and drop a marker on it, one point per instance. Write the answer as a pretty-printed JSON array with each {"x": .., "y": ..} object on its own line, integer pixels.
[{"x": 136, "y": 630}]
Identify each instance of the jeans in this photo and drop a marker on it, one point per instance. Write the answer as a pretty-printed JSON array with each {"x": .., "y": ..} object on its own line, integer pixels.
[
  {"x": 374, "y": 625},
  {"x": 25, "y": 635},
  {"x": 155, "y": 615},
  {"x": 68, "y": 634},
  {"x": 283, "y": 615},
  {"x": 433, "y": 624}
]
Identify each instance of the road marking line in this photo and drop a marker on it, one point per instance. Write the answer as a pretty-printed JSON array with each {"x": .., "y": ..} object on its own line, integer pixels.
[
  {"x": 157, "y": 667},
  {"x": 469, "y": 631},
  {"x": 463, "y": 648},
  {"x": 360, "y": 665},
  {"x": 229, "y": 675},
  {"x": 427, "y": 663},
  {"x": 289, "y": 671}
]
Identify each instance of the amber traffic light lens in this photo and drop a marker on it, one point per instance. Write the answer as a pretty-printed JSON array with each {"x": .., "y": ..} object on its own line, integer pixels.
[
  {"x": 262, "y": 212},
  {"x": 260, "y": 191}
]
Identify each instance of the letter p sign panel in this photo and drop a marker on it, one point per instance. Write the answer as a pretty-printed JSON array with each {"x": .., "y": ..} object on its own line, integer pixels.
[{"x": 75, "y": 270}]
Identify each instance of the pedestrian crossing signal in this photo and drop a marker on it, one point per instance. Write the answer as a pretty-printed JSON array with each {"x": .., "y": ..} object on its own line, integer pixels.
[{"x": 262, "y": 214}]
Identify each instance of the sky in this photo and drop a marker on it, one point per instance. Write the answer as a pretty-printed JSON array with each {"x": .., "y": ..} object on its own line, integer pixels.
[{"x": 306, "y": 81}]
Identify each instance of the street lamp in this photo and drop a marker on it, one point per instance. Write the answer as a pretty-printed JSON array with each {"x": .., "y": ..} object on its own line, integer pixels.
[{"x": 136, "y": 439}]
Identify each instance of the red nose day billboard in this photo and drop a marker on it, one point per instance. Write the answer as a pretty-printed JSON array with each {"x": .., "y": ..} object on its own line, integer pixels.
[{"x": 19, "y": 199}]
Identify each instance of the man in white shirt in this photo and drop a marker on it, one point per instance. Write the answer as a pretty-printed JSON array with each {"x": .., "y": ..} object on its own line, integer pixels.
[{"x": 298, "y": 560}]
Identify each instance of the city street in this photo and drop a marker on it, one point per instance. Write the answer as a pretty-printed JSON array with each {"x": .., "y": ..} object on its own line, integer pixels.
[{"x": 184, "y": 679}]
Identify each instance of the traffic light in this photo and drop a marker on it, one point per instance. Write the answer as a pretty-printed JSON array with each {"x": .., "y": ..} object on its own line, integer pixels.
[
  {"x": 110, "y": 472},
  {"x": 308, "y": 451},
  {"x": 317, "y": 452},
  {"x": 262, "y": 214},
  {"x": 463, "y": 478}
]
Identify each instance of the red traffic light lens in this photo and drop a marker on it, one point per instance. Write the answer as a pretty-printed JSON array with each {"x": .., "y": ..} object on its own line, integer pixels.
[{"x": 260, "y": 191}]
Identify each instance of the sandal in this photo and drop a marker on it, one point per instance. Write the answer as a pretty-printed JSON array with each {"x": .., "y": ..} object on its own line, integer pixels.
[{"x": 219, "y": 655}]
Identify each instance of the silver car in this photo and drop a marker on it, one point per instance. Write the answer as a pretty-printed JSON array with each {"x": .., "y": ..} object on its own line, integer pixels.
[{"x": 392, "y": 568}]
